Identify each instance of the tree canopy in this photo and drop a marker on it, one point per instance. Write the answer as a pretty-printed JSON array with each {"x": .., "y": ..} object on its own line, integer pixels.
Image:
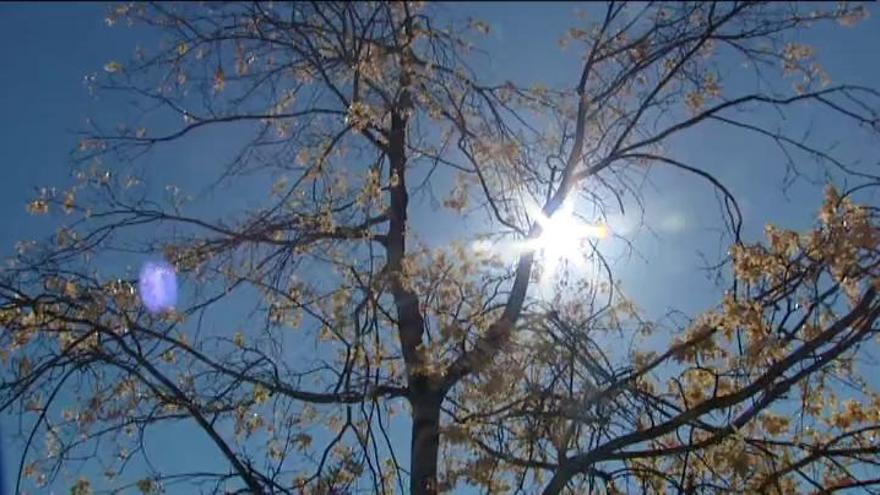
[{"x": 353, "y": 355}]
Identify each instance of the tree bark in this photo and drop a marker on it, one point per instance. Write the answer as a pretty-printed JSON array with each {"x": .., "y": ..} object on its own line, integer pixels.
[
  {"x": 425, "y": 441},
  {"x": 557, "y": 482}
]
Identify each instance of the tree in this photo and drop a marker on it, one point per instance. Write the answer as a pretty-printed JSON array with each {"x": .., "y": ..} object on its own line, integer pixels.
[{"x": 350, "y": 109}]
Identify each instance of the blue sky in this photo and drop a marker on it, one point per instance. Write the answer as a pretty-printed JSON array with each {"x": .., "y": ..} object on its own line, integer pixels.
[{"x": 47, "y": 49}]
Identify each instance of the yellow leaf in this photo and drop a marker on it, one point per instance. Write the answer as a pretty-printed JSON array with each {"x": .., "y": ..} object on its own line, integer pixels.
[
  {"x": 219, "y": 79},
  {"x": 112, "y": 67},
  {"x": 68, "y": 202},
  {"x": 38, "y": 207},
  {"x": 261, "y": 395},
  {"x": 81, "y": 487}
]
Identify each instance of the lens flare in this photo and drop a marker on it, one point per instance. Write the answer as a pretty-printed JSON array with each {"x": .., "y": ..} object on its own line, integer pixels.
[
  {"x": 157, "y": 286},
  {"x": 562, "y": 237}
]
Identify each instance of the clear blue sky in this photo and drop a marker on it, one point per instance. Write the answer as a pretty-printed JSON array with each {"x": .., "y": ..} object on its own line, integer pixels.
[{"x": 47, "y": 49}]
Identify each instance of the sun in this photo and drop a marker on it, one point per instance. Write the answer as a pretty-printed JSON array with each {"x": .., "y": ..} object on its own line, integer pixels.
[{"x": 562, "y": 237}]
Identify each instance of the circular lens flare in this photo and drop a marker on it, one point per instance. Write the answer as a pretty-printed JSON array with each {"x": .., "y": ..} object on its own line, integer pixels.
[{"x": 157, "y": 286}]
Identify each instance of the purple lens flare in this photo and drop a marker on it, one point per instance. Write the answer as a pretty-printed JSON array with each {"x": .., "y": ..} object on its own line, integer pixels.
[{"x": 157, "y": 286}]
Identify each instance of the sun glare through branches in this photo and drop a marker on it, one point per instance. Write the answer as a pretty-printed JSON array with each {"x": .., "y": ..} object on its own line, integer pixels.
[{"x": 563, "y": 238}]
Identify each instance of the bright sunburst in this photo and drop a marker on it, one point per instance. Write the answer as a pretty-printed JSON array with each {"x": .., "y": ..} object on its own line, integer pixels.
[{"x": 562, "y": 237}]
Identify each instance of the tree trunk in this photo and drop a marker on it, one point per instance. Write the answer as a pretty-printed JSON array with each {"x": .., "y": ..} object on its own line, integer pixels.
[
  {"x": 557, "y": 482},
  {"x": 425, "y": 442}
]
